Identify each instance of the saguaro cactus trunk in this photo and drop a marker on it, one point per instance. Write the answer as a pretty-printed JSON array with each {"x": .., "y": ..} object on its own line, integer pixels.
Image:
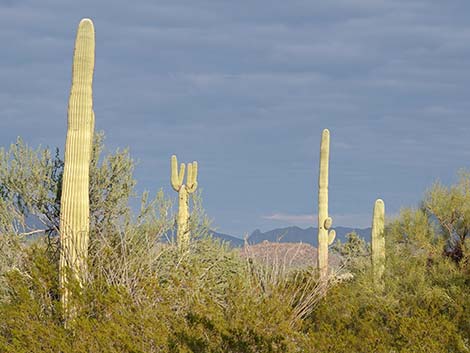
[
  {"x": 378, "y": 240},
  {"x": 183, "y": 232},
  {"x": 74, "y": 209},
  {"x": 325, "y": 235}
]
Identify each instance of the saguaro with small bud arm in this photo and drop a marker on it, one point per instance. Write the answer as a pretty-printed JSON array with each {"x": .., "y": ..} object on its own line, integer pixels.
[{"x": 325, "y": 235}]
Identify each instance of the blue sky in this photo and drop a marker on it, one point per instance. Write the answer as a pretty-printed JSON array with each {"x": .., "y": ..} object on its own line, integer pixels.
[{"x": 246, "y": 87}]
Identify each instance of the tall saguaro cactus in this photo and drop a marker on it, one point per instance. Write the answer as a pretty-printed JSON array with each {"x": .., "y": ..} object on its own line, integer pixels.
[
  {"x": 325, "y": 235},
  {"x": 177, "y": 178},
  {"x": 74, "y": 209},
  {"x": 378, "y": 240}
]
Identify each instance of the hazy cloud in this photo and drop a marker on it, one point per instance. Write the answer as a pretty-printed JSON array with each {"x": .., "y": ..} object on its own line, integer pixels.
[
  {"x": 311, "y": 220},
  {"x": 293, "y": 219},
  {"x": 246, "y": 88}
]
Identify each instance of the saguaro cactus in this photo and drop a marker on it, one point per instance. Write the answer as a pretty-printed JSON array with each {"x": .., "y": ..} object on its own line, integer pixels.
[
  {"x": 378, "y": 240},
  {"x": 325, "y": 235},
  {"x": 183, "y": 232},
  {"x": 74, "y": 209}
]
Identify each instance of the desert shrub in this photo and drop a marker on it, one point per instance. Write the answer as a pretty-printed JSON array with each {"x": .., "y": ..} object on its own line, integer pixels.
[
  {"x": 422, "y": 304},
  {"x": 354, "y": 253},
  {"x": 30, "y": 317},
  {"x": 449, "y": 207},
  {"x": 206, "y": 300},
  {"x": 143, "y": 295},
  {"x": 30, "y": 189},
  {"x": 28, "y": 193}
]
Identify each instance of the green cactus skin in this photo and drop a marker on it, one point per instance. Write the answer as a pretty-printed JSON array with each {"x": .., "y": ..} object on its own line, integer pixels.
[
  {"x": 75, "y": 210},
  {"x": 325, "y": 235},
  {"x": 378, "y": 240},
  {"x": 183, "y": 233}
]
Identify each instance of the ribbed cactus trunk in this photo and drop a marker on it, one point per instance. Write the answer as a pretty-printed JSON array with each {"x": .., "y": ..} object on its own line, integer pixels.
[
  {"x": 183, "y": 234},
  {"x": 378, "y": 240},
  {"x": 325, "y": 236},
  {"x": 74, "y": 208}
]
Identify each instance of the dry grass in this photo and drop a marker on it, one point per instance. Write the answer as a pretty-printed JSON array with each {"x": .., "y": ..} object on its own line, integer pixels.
[
  {"x": 288, "y": 270},
  {"x": 288, "y": 255}
]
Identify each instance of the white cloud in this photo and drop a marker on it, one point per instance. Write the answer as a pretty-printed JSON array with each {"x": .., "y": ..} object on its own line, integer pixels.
[
  {"x": 344, "y": 220},
  {"x": 290, "y": 218}
]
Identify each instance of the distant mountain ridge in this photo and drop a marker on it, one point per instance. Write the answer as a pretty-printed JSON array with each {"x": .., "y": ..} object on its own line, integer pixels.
[{"x": 291, "y": 234}]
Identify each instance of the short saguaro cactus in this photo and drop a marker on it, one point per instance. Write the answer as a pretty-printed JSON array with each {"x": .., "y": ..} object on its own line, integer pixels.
[
  {"x": 177, "y": 178},
  {"x": 378, "y": 240}
]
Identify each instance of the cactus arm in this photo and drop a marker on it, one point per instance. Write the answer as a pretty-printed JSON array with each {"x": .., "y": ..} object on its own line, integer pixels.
[
  {"x": 176, "y": 180},
  {"x": 192, "y": 181},
  {"x": 331, "y": 236},
  {"x": 378, "y": 239},
  {"x": 190, "y": 174},
  {"x": 328, "y": 223},
  {"x": 332, "y": 233},
  {"x": 181, "y": 173}
]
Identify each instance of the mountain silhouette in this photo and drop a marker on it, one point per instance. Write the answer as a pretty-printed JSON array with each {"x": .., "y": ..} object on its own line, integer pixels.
[{"x": 292, "y": 234}]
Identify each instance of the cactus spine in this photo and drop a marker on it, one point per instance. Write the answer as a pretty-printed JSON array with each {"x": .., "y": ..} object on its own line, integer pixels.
[
  {"x": 74, "y": 210},
  {"x": 378, "y": 240},
  {"x": 325, "y": 235},
  {"x": 183, "y": 233}
]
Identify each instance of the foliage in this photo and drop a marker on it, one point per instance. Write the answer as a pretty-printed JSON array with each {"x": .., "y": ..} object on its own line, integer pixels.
[
  {"x": 422, "y": 305},
  {"x": 450, "y": 207},
  {"x": 201, "y": 302},
  {"x": 30, "y": 188},
  {"x": 354, "y": 252},
  {"x": 29, "y": 192},
  {"x": 111, "y": 187},
  {"x": 143, "y": 295}
]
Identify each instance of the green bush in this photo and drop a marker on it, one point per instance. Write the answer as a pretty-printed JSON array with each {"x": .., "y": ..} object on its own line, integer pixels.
[
  {"x": 142, "y": 295},
  {"x": 202, "y": 302},
  {"x": 421, "y": 306}
]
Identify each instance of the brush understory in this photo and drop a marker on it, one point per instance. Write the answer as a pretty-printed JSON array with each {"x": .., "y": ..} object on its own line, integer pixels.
[{"x": 142, "y": 295}]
